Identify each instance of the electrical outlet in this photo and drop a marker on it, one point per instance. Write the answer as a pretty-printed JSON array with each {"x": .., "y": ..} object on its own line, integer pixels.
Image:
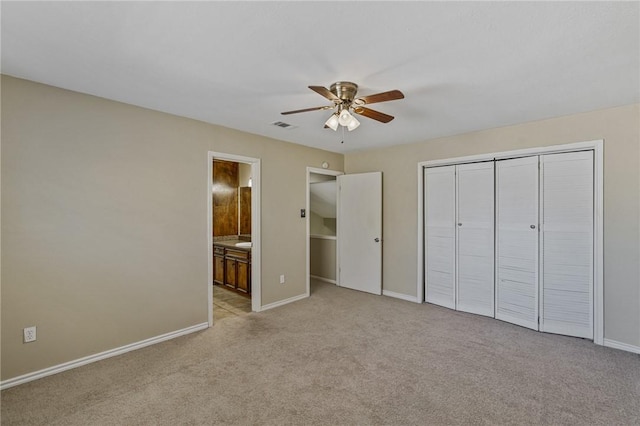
[
  {"x": 29, "y": 334},
  {"x": 281, "y": 279}
]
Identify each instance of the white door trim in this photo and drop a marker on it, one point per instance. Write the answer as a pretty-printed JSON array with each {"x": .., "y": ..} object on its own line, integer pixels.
[
  {"x": 598, "y": 173},
  {"x": 307, "y": 219},
  {"x": 256, "y": 257}
]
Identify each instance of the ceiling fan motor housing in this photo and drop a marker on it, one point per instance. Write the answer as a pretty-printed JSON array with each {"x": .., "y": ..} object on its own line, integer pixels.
[{"x": 345, "y": 90}]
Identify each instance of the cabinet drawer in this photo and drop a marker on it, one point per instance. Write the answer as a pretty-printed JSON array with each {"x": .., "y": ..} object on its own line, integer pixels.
[
  {"x": 238, "y": 254},
  {"x": 218, "y": 250}
]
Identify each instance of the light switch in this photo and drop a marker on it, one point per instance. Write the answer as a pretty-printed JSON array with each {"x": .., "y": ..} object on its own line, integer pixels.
[{"x": 303, "y": 213}]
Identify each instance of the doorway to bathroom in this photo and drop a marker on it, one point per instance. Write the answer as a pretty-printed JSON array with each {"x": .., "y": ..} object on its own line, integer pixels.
[{"x": 233, "y": 235}]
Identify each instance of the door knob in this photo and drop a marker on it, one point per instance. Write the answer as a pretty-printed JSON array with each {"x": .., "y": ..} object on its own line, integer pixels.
[
  {"x": 377, "y": 240},
  {"x": 459, "y": 223},
  {"x": 532, "y": 227}
]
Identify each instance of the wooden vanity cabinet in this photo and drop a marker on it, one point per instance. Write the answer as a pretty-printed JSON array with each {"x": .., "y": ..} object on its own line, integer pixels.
[
  {"x": 237, "y": 274},
  {"x": 231, "y": 272},
  {"x": 243, "y": 269},
  {"x": 232, "y": 268},
  {"x": 218, "y": 265}
]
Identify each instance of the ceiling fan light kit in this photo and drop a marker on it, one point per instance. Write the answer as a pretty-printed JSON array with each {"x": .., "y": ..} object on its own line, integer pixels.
[
  {"x": 344, "y": 118},
  {"x": 353, "y": 123},
  {"x": 343, "y": 96},
  {"x": 333, "y": 122}
]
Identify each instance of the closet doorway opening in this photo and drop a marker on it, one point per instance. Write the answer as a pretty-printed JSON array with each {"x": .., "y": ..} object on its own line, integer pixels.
[
  {"x": 322, "y": 210},
  {"x": 234, "y": 257}
]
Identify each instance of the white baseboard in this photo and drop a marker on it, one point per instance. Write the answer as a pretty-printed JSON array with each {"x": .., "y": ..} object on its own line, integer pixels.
[
  {"x": 283, "y": 302},
  {"x": 623, "y": 346},
  {"x": 326, "y": 280},
  {"x": 406, "y": 297},
  {"x": 29, "y": 377}
]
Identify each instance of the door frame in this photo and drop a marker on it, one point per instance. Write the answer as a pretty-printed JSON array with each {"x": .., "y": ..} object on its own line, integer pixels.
[
  {"x": 598, "y": 201},
  {"x": 326, "y": 172},
  {"x": 256, "y": 214}
]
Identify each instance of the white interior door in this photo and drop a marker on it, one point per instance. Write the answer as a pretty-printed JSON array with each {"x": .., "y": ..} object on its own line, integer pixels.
[
  {"x": 360, "y": 232},
  {"x": 440, "y": 247},
  {"x": 517, "y": 241},
  {"x": 475, "y": 238},
  {"x": 567, "y": 244}
]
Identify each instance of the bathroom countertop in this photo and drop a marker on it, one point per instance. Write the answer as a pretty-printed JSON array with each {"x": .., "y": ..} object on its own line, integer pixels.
[{"x": 232, "y": 244}]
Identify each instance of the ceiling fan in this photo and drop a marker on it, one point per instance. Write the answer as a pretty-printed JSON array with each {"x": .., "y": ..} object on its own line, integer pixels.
[{"x": 343, "y": 96}]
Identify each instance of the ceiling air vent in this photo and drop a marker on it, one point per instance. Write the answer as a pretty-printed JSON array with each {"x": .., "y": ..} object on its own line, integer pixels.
[{"x": 283, "y": 125}]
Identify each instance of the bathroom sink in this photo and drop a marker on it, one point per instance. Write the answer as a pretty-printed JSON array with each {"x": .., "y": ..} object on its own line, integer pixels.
[{"x": 244, "y": 244}]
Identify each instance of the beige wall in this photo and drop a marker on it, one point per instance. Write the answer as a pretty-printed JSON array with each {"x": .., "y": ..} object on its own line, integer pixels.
[
  {"x": 322, "y": 258},
  {"x": 620, "y": 129},
  {"x": 104, "y": 221},
  {"x": 319, "y": 225}
]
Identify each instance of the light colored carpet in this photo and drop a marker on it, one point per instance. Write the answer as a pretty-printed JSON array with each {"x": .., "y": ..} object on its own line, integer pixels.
[{"x": 342, "y": 357}]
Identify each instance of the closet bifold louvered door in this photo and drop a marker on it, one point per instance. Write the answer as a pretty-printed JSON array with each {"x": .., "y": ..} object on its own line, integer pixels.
[
  {"x": 475, "y": 238},
  {"x": 440, "y": 232},
  {"x": 566, "y": 268},
  {"x": 517, "y": 241}
]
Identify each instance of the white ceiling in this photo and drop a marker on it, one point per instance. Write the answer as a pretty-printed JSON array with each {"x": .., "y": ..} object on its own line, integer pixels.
[{"x": 462, "y": 66}]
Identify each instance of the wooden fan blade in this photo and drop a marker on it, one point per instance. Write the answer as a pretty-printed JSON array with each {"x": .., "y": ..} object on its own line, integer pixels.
[
  {"x": 376, "y": 115},
  {"x": 307, "y": 109},
  {"x": 391, "y": 95},
  {"x": 323, "y": 91}
]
